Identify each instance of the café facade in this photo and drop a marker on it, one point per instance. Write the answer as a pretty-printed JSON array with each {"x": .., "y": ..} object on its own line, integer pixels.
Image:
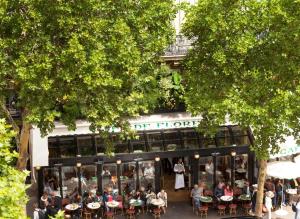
[{"x": 76, "y": 161}]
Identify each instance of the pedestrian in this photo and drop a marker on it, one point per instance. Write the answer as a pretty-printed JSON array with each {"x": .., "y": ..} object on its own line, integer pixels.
[
  {"x": 296, "y": 208},
  {"x": 268, "y": 203},
  {"x": 179, "y": 171}
]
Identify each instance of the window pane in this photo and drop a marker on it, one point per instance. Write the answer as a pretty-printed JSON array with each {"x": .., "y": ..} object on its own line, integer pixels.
[
  {"x": 155, "y": 141},
  {"x": 70, "y": 181},
  {"x": 109, "y": 176},
  {"x": 100, "y": 145},
  {"x": 223, "y": 137},
  {"x": 147, "y": 176},
  {"x": 51, "y": 177},
  {"x": 89, "y": 179},
  {"x": 53, "y": 148},
  {"x": 209, "y": 142},
  {"x": 223, "y": 172},
  {"x": 67, "y": 147},
  {"x": 172, "y": 140},
  {"x": 85, "y": 145},
  {"x": 128, "y": 177},
  {"x": 139, "y": 144},
  {"x": 241, "y": 166},
  {"x": 121, "y": 146},
  {"x": 206, "y": 169},
  {"x": 190, "y": 139}
]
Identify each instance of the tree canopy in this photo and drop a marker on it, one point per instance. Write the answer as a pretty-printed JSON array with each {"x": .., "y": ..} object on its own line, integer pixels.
[
  {"x": 12, "y": 187},
  {"x": 245, "y": 66},
  {"x": 91, "y": 59}
]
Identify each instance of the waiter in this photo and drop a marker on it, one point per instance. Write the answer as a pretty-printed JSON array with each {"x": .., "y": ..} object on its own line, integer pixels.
[{"x": 179, "y": 172}]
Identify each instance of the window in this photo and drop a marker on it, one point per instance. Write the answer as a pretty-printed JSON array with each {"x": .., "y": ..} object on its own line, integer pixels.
[
  {"x": 147, "y": 175},
  {"x": 53, "y": 148},
  {"x": 172, "y": 140},
  {"x": 85, "y": 145},
  {"x": 209, "y": 142},
  {"x": 138, "y": 144},
  {"x": 223, "y": 137},
  {"x": 120, "y": 146},
  {"x": 109, "y": 176},
  {"x": 240, "y": 136},
  {"x": 190, "y": 139},
  {"x": 89, "y": 179},
  {"x": 206, "y": 171},
  {"x": 100, "y": 146},
  {"x": 223, "y": 170},
  {"x": 155, "y": 141},
  {"x": 51, "y": 177},
  {"x": 67, "y": 147},
  {"x": 70, "y": 180},
  {"x": 128, "y": 177}
]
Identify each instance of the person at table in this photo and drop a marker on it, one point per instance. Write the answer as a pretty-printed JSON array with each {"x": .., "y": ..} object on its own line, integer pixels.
[
  {"x": 253, "y": 198},
  {"x": 219, "y": 191},
  {"x": 44, "y": 201},
  {"x": 37, "y": 212},
  {"x": 179, "y": 175},
  {"x": 196, "y": 193},
  {"x": 228, "y": 191},
  {"x": 55, "y": 205},
  {"x": 89, "y": 199},
  {"x": 106, "y": 172},
  {"x": 163, "y": 195},
  {"x": 246, "y": 188}
]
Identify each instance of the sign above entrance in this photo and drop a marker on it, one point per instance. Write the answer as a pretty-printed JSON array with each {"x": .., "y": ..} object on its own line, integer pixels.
[{"x": 289, "y": 147}]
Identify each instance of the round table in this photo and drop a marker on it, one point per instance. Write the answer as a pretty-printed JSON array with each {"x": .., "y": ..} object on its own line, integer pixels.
[
  {"x": 72, "y": 208},
  {"x": 226, "y": 198},
  {"x": 157, "y": 202},
  {"x": 112, "y": 204},
  {"x": 94, "y": 205},
  {"x": 206, "y": 199},
  {"x": 240, "y": 183},
  {"x": 291, "y": 191},
  {"x": 136, "y": 202},
  {"x": 244, "y": 197}
]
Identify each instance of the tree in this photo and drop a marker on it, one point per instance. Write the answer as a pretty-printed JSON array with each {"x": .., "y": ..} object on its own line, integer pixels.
[
  {"x": 245, "y": 66},
  {"x": 12, "y": 187},
  {"x": 91, "y": 59}
]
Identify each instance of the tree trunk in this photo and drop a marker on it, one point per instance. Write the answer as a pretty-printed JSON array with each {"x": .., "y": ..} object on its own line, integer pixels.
[
  {"x": 260, "y": 189},
  {"x": 23, "y": 147}
]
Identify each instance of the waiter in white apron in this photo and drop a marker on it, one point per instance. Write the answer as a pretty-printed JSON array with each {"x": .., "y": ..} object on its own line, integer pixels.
[{"x": 179, "y": 172}]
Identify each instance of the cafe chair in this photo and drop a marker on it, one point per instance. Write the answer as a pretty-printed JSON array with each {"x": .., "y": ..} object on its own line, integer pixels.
[
  {"x": 247, "y": 208},
  {"x": 221, "y": 209},
  {"x": 130, "y": 213},
  {"x": 156, "y": 213},
  {"x": 203, "y": 210},
  {"x": 120, "y": 206},
  {"x": 67, "y": 216},
  {"x": 87, "y": 215},
  {"x": 109, "y": 215},
  {"x": 232, "y": 209}
]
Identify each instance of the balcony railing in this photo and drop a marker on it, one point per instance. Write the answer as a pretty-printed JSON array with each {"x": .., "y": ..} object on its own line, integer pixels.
[{"x": 179, "y": 48}]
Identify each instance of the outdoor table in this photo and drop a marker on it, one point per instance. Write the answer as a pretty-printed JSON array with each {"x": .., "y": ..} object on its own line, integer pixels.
[
  {"x": 291, "y": 191},
  {"x": 226, "y": 198},
  {"x": 72, "y": 208},
  {"x": 244, "y": 197},
  {"x": 94, "y": 205},
  {"x": 157, "y": 202},
  {"x": 240, "y": 183},
  {"x": 206, "y": 199},
  {"x": 112, "y": 204},
  {"x": 241, "y": 170},
  {"x": 136, "y": 202}
]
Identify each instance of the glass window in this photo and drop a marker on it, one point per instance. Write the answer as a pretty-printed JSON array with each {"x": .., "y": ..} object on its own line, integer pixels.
[
  {"x": 223, "y": 170},
  {"x": 147, "y": 175},
  {"x": 128, "y": 177},
  {"x": 109, "y": 176},
  {"x": 223, "y": 137},
  {"x": 172, "y": 140},
  {"x": 100, "y": 145},
  {"x": 70, "y": 181},
  {"x": 138, "y": 144},
  {"x": 67, "y": 147},
  {"x": 120, "y": 146},
  {"x": 51, "y": 179},
  {"x": 190, "y": 139},
  {"x": 53, "y": 148},
  {"x": 240, "y": 136},
  {"x": 209, "y": 142},
  {"x": 241, "y": 166},
  {"x": 206, "y": 172},
  {"x": 89, "y": 178},
  {"x": 85, "y": 145},
  {"x": 155, "y": 141}
]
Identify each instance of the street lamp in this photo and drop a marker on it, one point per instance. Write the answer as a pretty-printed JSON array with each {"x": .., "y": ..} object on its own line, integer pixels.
[
  {"x": 157, "y": 158},
  {"x": 233, "y": 153},
  {"x": 197, "y": 156},
  {"x": 119, "y": 161}
]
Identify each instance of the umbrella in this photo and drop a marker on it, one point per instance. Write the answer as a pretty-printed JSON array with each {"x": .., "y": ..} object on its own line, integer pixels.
[
  {"x": 283, "y": 170},
  {"x": 297, "y": 159}
]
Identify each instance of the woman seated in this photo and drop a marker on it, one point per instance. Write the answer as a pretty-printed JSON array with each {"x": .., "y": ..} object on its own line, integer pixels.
[
  {"x": 228, "y": 191},
  {"x": 163, "y": 195},
  {"x": 219, "y": 191}
]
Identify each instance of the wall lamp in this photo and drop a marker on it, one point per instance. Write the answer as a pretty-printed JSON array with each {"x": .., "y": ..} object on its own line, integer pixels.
[
  {"x": 37, "y": 167},
  {"x": 119, "y": 161},
  {"x": 78, "y": 164},
  {"x": 233, "y": 153},
  {"x": 197, "y": 156},
  {"x": 157, "y": 158}
]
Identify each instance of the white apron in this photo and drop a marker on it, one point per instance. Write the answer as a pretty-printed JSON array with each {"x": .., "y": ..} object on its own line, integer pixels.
[{"x": 179, "y": 180}]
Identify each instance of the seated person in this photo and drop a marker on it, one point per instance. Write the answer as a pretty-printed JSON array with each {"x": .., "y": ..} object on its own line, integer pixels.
[
  {"x": 106, "y": 172},
  {"x": 246, "y": 188},
  {"x": 163, "y": 195},
  {"x": 228, "y": 191},
  {"x": 196, "y": 193},
  {"x": 44, "y": 202},
  {"x": 219, "y": 191},
  {"x": 89, "y": 198}
]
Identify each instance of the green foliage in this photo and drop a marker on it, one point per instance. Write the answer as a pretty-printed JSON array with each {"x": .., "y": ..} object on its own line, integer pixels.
[
  {"x": 93, "y": 59},
  {"x": 245, "y": 67},
  {"x": 60, "y": 215},
  {"x": 12, "y": 188}
]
